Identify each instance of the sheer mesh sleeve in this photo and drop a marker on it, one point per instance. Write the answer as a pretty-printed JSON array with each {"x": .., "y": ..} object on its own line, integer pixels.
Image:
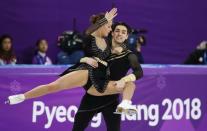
[{"x": 135, "y": 65}]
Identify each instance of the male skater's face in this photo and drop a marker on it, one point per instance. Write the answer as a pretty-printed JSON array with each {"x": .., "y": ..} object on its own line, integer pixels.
[{"x": 120, "y": 34}]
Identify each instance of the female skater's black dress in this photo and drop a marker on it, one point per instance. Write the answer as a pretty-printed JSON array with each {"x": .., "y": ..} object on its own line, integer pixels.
[{"x": 98, "y": 77}]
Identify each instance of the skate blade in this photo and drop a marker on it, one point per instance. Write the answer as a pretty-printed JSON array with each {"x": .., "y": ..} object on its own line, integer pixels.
[
  {"x": 131, "y": 112},
  {"x": 119, "y": 111}
]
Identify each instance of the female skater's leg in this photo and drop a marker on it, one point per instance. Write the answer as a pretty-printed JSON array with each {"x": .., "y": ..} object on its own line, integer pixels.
[{"x": 68, "y": 81}]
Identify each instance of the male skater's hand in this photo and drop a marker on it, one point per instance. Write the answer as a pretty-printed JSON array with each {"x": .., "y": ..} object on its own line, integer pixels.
[
  {"x": 92, "y": 62},
  {"x": 120, "y": 84}
]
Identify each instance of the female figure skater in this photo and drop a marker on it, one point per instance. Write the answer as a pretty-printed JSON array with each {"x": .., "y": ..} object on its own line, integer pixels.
[{"x": 95, "y": 80}]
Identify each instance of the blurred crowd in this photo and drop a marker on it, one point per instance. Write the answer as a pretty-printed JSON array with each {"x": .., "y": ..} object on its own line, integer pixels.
[{"x": 71, "y": 52}]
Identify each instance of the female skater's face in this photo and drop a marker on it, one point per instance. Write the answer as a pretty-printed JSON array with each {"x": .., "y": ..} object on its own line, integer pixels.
[{"x": 106, "y": 29}]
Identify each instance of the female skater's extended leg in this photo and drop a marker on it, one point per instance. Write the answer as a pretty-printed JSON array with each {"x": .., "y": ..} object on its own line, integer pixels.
[
  {"x": 71, "y": 80},
  {"x": 68, "y": 81}
]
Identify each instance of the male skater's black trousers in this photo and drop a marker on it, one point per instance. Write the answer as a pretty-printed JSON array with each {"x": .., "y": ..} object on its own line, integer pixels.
[{"x": 88, "y": 108}]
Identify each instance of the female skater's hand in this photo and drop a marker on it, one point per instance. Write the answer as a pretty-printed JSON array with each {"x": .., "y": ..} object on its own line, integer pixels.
[
  {"x": 92, "y": 62},
  {"x": 111, "y": 14},
  {"x": 117, "y": 50},
  {"x": 120, "y": 84}
]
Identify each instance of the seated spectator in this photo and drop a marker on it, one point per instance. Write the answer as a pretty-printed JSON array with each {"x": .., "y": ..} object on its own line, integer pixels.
[
  {"x": 7, "y": 56},
  {"x": 199, "y": 55},
  {"x": 41, "y": 57}
]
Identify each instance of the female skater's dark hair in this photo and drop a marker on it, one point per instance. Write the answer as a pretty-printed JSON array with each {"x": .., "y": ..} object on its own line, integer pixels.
[{"x": 95, "y": 18}]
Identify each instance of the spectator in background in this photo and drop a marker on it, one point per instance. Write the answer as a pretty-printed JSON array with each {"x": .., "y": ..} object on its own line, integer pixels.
[
  {"x": 199, "y": 55},
  {"x": 138, "y": 49},
  {"x": 41, "y": 57},
  {"x": 7, "y": 56},
  {"x": 135, "y": 43}
]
